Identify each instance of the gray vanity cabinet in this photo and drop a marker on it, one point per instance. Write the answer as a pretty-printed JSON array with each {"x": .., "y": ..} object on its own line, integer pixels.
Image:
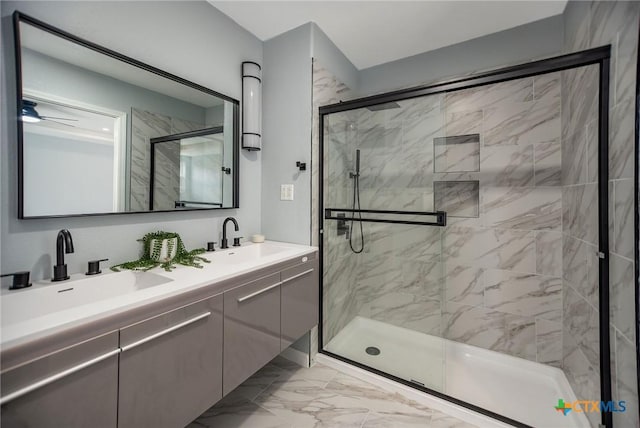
[
  {"x": 251, "y": 329},
  {"x": 299, "y": 300},
  {"x": 74, "y": 387},
  {"x": 162, "y": 364},
  {"x": 171, "y": 366}
]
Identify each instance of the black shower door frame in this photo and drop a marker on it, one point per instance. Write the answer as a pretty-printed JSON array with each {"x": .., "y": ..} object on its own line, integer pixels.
[{"x": 600, "y": 56}]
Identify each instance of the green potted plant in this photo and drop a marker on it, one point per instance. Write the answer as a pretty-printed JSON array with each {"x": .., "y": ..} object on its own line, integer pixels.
[{"x": 164, "y": 249}]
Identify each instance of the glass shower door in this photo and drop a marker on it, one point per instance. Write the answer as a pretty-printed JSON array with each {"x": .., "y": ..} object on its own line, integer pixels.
[
  {"x": 506, "y": 293},
  {"x": 383, "y": 273}
]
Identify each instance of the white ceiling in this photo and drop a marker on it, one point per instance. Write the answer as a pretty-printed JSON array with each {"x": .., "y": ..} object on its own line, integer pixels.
[
  {"x": 374, "y": 32},
  {"x": 71, "y": 123}
]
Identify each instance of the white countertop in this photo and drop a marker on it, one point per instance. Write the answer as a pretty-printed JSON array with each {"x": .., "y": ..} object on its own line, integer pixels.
[{"x": 32, "y": 312}]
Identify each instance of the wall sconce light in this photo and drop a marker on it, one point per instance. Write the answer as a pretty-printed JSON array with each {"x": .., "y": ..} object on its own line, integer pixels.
[{"x": 251, "y": 105}]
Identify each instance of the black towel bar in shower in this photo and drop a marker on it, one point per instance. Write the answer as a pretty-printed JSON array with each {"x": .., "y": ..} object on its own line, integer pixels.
[
  {"x": 440, "y": 216},
  {"x": 183, "y": 204}
]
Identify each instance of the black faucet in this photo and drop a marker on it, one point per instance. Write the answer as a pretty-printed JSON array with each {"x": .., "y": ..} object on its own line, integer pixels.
[
  {"x": 63, "y": 242},
  {"x": 224, "y": 231}
]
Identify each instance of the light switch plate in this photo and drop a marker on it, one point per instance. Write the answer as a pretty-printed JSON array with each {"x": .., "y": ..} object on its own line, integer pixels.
[{"x": 286, "y": 192}]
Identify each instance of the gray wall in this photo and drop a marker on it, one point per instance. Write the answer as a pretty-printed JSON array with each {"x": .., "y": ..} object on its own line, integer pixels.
[
  {"x": 203, "y": 46},
  {"x": 286, "y": 125},
  {"x": 520, "y": 44},
  {"x": 286, "y": 134}
]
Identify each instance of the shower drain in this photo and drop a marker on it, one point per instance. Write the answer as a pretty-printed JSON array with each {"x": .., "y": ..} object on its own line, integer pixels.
[{"x": 372, "y": 350}]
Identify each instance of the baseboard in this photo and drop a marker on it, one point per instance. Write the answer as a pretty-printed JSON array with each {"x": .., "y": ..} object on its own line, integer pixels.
[
  {"x": 425, "y": 399},
  {"x": 298, "y": 357}
]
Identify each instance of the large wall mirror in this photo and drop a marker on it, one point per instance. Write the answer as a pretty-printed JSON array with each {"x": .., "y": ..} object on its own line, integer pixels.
[{"x": 101, "y": 133}]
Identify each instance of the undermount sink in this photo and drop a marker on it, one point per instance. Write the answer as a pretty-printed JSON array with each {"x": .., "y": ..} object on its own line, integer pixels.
[
  {"x": 237, "y": 255},
  {"x": 44, "y": 299}
]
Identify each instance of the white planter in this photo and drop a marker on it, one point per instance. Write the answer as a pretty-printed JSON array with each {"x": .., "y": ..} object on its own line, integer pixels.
[{"x": 165, "y": 255}]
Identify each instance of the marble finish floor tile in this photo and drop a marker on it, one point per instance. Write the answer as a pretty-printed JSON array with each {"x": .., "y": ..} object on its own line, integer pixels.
[
  {"x": 359, "y": 393},
  {"x": 285, "y": 395},
  {"x": 238, "y": 413},
  {"x": 260, "y": 381},
  {"x": 396, "y": 420},
  {"x": 442, "y": 420}
]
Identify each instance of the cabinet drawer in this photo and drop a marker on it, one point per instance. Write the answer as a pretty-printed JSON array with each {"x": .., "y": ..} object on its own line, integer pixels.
[
  {"x": 171, "y": 366},
  {"x": 299, "y": 300},
  {"x": 53, "y": 390},
  {"x": 251, "y": 329}
]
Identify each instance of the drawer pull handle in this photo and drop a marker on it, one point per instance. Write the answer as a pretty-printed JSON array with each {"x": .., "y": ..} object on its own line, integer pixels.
[
  {"x": 249, "y": 296},
  {"x": 165, "y": 331},
  {"x": 56, "y": 377},
  {"x": 297, "y": 276}
]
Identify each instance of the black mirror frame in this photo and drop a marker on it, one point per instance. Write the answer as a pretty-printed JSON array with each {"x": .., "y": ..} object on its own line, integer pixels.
[{"x": 19, "y": 17}]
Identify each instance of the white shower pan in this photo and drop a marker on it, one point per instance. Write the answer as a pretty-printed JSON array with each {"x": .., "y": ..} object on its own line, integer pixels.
[{"x": 513, "y": 387}]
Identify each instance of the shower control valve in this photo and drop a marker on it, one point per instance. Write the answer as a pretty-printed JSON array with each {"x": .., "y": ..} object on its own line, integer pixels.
[{"x": 343, "y": 227}]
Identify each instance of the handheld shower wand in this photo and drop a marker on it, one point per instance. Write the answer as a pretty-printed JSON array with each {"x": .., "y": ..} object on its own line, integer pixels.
[
  {"x": 357, "y": 172},
  {"x": 356, "y": 202}
]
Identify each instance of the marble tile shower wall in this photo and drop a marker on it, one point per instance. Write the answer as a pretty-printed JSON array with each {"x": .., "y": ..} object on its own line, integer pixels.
[
  {"x": 493, "y": 277},
  {"x": 588, "y": 25},
  {"x": 144, "y": 126},
  {"x": 166, "y": 189},
  {"x": 580, "y": 344},
  {"x": 339, "y": 263}
]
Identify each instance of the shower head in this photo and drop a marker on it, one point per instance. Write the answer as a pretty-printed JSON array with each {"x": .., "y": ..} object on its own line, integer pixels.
[{"x": 385, "y": 106}]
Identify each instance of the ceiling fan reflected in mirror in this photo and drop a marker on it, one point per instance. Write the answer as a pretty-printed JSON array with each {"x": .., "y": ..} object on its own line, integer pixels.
[{"x": 30, "y": 114}]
